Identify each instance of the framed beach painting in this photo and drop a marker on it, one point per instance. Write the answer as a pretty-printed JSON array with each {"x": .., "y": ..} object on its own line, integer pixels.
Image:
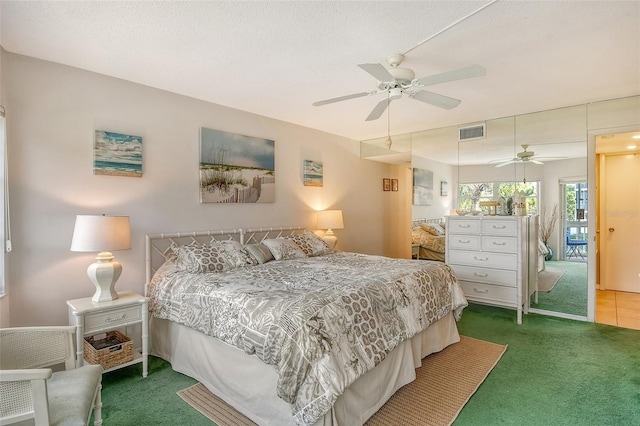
[
  {"x": 422, "y": 187},
  {"x": 236, "y": 168},
  {"x": 312, "y": 173},
  {"x": 386, "y": 184},
  {"x": 117, "y": 154},
  {"x": 444, "y": 188}
]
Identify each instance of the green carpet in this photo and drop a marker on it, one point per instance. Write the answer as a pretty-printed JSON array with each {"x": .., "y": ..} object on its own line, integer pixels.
[
  {"x": 556, "y": 372},
  {"x": 570, "y": 293}
]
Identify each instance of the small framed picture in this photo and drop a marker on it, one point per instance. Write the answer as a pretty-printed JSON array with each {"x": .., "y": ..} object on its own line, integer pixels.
[
  {"x": 394, "y": 184},
  {"x": 386, "y": 184},
  {"x": 444, "y": 188}
]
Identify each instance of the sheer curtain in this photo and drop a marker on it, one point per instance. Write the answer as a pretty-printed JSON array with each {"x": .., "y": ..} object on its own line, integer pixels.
[{"x": 4, "y": 196}]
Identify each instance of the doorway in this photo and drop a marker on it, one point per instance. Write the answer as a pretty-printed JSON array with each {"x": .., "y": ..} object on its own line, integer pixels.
[
  {"x": 618, "y": 230},
  {"x": 574, "y": 220}
]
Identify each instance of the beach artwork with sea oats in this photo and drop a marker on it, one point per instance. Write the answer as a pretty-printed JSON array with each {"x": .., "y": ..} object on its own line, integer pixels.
[
  {"x": 422, "y": 187},
  {"x": 117, "y": 154},
  {"x": 312, "y": 173},
  {"x": 236, "y": 168}
]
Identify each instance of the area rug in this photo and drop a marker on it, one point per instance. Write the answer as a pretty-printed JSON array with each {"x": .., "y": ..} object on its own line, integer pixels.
[
  {"x": 548, "y": 278},
  {"x": 445, "y": 382}
]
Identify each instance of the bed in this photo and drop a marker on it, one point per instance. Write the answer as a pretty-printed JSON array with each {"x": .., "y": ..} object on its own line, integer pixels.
[
  {"x": 318, "y": 339},
  {"x": 429, "y": 235}
]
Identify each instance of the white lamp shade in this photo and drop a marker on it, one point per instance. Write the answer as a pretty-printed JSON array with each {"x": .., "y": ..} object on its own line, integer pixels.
[
  {"x": 101, "y": 233},
  {"x": 330, "y": 219}
]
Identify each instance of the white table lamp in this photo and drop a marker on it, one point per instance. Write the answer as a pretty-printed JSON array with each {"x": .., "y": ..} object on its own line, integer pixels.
[
  {"x": 102, "y": 234},
  {"x": 330, "y": 220}
]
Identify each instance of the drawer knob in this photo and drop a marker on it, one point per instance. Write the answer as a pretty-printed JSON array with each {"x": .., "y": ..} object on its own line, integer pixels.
[
  {"x": 481, "y": 291},
  {"x": 480, "y": 275},
  {"x": 499, "y": 226},
  {"x": 111, "y": 319},
  {"x": 480, "y": 259},
  {"x": 464, "y": 241},
  {"x": 499, "y": 244},
  {"x": 464, "y": 226}
]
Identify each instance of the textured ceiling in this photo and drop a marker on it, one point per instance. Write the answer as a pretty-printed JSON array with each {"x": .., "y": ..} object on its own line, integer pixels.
[{"x": 276, "y": 58}]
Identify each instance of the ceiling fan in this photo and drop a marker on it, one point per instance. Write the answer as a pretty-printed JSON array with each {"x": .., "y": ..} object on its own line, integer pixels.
[
  {"x": 396, "y": 81},
  {"x": 524, "y": 157}
]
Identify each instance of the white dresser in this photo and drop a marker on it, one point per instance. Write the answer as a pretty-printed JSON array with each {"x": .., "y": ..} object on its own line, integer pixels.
[{"x": 494, "y": 258}]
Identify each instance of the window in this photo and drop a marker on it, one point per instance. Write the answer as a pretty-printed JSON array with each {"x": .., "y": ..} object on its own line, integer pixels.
[{"x": 492, "y": 191}]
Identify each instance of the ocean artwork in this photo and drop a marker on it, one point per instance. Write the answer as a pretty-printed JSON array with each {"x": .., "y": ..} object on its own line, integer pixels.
[
  {"x": 117, "y": 154},
  {"x": 236, "y": 168},
  {"x": 422, "y": 187},
  {"x": 312, "y": 173}
]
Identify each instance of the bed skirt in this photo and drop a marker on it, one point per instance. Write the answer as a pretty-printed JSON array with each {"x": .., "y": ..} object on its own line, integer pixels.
[{"x": 249, "y": 385}]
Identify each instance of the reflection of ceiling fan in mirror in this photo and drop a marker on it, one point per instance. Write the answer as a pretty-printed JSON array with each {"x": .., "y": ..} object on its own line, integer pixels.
[{"x": 524, "y": 157}]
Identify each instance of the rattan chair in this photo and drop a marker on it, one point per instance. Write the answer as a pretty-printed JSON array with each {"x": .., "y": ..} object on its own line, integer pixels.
[{"x": 29, "y": 390}]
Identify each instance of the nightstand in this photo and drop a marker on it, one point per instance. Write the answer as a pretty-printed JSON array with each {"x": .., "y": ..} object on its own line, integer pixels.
[
  {"x": 92, "y": 318},
  {"x": 415, "y": 251}
]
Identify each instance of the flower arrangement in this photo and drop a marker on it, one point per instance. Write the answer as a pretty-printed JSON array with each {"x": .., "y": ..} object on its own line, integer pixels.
[
  {"x": 548, "y": 222},
  {"x": 477, "y": 191}
]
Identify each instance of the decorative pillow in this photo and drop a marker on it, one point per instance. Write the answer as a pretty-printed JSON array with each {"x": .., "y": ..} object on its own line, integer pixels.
[
  {"x": 199, "y": 258},
  {"x": 236, "y": 254},
  {"x": 310, "y": 243},
  {"x": 283, "y": 249},
  {"x": 259, "y": 252},
  {"x": 433, "y": 228}
]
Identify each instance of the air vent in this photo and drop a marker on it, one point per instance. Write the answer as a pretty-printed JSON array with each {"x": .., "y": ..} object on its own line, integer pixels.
[{"x": 477, "y": 131}]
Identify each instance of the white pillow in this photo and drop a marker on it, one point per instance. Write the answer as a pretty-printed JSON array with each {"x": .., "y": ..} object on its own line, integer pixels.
[
  {"x": 310, "y": 243},
  {"x": 283, "y": 249}
]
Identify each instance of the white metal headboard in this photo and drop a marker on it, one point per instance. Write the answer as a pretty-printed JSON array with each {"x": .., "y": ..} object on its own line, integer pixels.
[
  {"x": 157, "y": 246},
  {"x": 416, "y": 222}
]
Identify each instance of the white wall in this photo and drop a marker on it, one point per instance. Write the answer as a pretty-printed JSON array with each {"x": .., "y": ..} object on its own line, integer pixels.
[{"x": 54, "y": 112}]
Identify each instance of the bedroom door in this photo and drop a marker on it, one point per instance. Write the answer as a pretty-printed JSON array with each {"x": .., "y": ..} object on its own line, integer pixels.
[{"x": 620, "y": 225}]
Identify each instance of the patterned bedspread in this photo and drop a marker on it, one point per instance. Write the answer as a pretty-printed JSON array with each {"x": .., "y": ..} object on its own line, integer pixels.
[{"x": 320, "y": 321}]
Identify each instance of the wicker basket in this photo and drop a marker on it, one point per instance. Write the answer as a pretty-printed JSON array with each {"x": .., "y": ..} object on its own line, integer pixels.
[{"x": 112, "y": 350}]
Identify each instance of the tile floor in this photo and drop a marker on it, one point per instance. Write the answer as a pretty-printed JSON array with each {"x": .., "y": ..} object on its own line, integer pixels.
[{"x": 618, "y": 308}]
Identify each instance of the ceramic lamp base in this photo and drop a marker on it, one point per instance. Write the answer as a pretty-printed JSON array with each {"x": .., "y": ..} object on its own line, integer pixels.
[
  {"x": 330, "y": 238},
  {"x": 104, "y": 274}
]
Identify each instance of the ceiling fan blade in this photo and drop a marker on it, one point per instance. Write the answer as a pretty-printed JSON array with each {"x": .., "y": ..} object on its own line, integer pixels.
[
  {"x": 341, "y": 98},
  {"x": 435, "y": 99},
  {"x": 536, "y": 161},
  {"x": 378, "y": 110},
  {"x": 506, "y": 163},
  {"x": 378, "y": 71},
  {"x": 550, "y": 158},
  {"x": 459, "y": 74}
]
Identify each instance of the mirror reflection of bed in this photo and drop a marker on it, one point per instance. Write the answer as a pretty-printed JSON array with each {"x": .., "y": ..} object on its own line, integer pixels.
[{"x": 429, "y": 235}]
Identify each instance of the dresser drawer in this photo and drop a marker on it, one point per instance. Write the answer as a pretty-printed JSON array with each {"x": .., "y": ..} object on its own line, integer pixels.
[
  {"x": 500, "y": 227},
  {"x": 464, "y": 242},
  {"x": 486, "y": 275},
  {"x": 500, "y": 244},
  {"x": 490, "y": 293},
  {"x": 465, "y": 227},
  {"x": 483, "y": 259},
  {"x": 98, "y": 321}
]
